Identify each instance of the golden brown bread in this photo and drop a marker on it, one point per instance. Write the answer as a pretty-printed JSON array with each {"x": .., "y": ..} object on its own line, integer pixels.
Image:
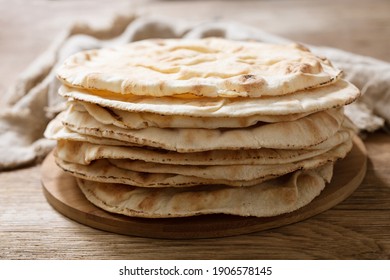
[
  {"x": 274, "y": 197},
  {"x": 176, "y": 128},
  {"x": 84, "y": 152},
  {"x": 149, "y": 175},
  {"x": 306, "y": 101},
  {"x": 204, "y": 67},
  {"x": 302, "y": 133}
]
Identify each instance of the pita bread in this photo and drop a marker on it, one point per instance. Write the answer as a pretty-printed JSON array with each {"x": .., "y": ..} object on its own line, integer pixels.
[
  {"x": 233, "y": 172},
  {"x": 160, "y": 175},
  {"x": 307, "y": 101},
  {"x": 176, "y": 128},
  {"x": 135, "y": 120},
  {"x": 84, "y": 153},
  {"x": 204, "y": 67},
  {"x": 56, "y": 131},
  {"x": 103, "y": 171},
  {"x": 302, "y": 133},
  {"x": 281, "y": 195}
]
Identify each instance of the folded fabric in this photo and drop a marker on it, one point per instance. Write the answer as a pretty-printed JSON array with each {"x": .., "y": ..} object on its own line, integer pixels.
[{"x": 33, "y": 100}]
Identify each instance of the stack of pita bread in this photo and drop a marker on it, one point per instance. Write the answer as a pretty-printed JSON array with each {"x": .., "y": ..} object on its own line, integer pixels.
[{"x": 176, "y": 127}]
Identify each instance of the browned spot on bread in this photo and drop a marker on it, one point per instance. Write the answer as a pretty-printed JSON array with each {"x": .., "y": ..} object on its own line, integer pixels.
[
  {"x": 189, "y": 138},
  {"x": 161, "y": 86},
  {"x": 311, "y": 67},
  {"x": 75, "y": 148},
  {"x": 246, "y": 77},
  {"x": 196, "y": 89},
  {"x": 289, "y": 195},
  {"x": 113, "y": 114},
  {"x": 87, "y": 56},
  {"x": 144, "y": 175},
  {"x": 296, "y": 68},
  {"x": 127, "y": 86},
  {"x": 250, "y": 83},
  {"x": 300, "y": 47},
  {"x": 117, "y": 190},
  {"x": 104, "y": 168},
  {"x": 149, "y": 202}
]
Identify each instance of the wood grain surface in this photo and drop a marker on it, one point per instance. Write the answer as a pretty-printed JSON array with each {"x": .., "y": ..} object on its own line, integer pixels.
[{"x": 358, "y": 228}]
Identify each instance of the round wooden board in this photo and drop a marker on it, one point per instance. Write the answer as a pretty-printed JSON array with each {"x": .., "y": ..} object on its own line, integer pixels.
[{"x": 63, "y": 194}]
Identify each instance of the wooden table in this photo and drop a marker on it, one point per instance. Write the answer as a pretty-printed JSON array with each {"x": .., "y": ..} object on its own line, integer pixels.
[{"x": 358, "y": 228}]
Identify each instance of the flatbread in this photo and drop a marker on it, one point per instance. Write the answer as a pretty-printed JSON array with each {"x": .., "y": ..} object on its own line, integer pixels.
[
  {"x": 56, "y": 131},
  {"x": 306, "y": 101},
  {"x": 103, "y": 171},
  {"x": 82, "y": 152},
  {"x": 152, "y": 175},
  {"x": 232, "y": 172},
  {"x": 204, "y": 67},
  {"x": 281, "y": 195},
  {"x": 308, "y": 131},
  {"x": 176, "y": 128},
  {"x": 140, "y": 120}
]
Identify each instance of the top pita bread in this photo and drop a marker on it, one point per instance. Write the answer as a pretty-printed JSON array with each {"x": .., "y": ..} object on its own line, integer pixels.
[{"x": 203, "y": 67}]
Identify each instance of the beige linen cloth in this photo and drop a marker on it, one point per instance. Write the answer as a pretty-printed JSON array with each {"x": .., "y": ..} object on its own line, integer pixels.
[{"x": 33, "y": 100}]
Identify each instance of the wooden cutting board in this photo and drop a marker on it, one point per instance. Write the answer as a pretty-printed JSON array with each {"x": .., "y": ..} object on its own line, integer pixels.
[{"x": 63, "y": 194}]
